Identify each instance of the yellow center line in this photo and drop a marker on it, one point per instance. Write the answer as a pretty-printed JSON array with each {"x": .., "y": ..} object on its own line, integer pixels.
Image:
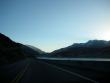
[{"x": 20, "y": 74}]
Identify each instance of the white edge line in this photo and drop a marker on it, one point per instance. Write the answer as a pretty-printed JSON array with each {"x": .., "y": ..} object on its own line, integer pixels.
[{"x": 73, "y": 73}]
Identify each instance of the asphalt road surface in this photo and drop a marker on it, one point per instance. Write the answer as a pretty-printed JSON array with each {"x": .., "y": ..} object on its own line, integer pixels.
[{"x": 39, "y": 71}]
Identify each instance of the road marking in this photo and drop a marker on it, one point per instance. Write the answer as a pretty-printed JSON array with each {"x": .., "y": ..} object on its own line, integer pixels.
[
  {"x": 20, "y": 74},
  {"x": 73, "y": 73}
]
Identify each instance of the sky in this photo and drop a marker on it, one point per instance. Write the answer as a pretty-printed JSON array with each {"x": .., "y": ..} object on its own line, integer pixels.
[{"x": 54, "y": 24}]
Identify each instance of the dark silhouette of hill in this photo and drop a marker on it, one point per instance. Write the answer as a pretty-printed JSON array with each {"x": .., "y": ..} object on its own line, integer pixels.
[
  {"x": 36, "y": 49},
  {"x": 11, "y": 51},
  {"x": 6, "y": 42},
  {"x": 92, "y": 48}
]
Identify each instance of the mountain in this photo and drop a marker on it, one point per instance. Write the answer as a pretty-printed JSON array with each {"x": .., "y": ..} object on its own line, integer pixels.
[
  {"x": 36, "y": 49},
  {"x": 92, "y": 48},
  {"x": 6, "y": 42},
  {"x": 28, "y": 51},
  {"x": 11, "y": 51}
]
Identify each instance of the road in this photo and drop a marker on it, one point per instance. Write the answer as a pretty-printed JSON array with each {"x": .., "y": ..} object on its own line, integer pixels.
[{"x": 39, "y": 71}]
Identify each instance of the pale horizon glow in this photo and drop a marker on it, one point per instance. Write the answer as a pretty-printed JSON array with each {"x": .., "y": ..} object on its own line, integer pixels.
[{"x": 54, "y": 24}]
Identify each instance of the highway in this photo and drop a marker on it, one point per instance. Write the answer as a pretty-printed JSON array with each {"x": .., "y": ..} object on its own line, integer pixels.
[{"x": 44, "y": 71}]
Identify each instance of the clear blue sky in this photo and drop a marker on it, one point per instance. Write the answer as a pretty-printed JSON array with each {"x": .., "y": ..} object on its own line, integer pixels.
[{"x": 53, "y": 24}]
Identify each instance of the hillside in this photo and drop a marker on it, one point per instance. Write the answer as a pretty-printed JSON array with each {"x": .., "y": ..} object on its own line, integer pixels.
[
  {"x": 11, "y": 51},
  {"x": 92, "y": 48},
  {"x": 36, "y": 49}
]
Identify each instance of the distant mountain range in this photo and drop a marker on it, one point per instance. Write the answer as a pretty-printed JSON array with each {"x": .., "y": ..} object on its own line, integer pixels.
[
  {"x": 36, "y": 49},
  {"x": 92, "y": 48},
  {"x": 11, "y": 51}
]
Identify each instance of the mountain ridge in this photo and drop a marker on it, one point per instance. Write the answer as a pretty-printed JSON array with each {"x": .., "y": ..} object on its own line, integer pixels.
[
  {"x": 11, "y": 51},
  {"x": 92, "y": 48}
]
